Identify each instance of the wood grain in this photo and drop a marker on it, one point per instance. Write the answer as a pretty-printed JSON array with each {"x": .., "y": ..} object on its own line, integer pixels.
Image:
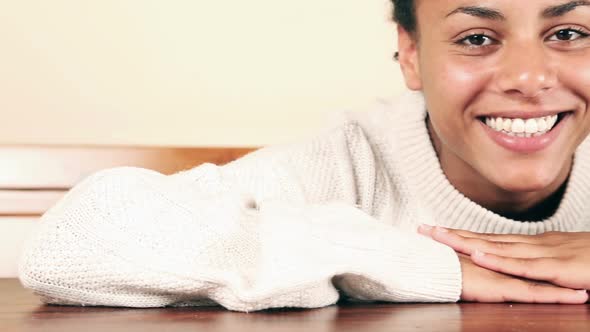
[
  {"x": 27, "y": 202},
  {"x": 60, "y": 167},
  {"x": 21, "y": 311},
  {"x": 33, "y": 178}
]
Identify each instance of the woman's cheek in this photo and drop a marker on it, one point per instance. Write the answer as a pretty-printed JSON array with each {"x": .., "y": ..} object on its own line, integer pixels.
[
  {"x": 575, "y": 76},
  {"x": 460, "y": 84}
]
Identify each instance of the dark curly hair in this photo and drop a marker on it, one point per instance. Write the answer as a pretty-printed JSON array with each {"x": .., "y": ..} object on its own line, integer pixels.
[{"x": 404, "y": 14}]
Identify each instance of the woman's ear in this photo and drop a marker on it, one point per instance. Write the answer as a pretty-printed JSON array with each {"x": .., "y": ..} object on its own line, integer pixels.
[{"x": 408, "y": 58}]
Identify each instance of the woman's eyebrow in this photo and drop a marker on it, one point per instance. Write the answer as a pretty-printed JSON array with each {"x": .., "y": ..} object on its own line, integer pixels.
[
  {"x": 493, "y": 14},
  {"x": 481, "y": 12},
  {"x": 560, "y": 10}
]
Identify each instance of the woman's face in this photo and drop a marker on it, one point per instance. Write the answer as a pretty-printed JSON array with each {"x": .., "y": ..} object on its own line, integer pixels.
[{"x": 522, "y": 63}]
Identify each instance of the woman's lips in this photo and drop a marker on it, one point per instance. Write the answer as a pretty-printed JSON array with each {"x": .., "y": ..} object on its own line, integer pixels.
[{"x": 527, "y": 144}]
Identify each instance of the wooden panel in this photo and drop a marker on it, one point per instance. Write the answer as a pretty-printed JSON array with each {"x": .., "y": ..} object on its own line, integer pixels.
[
  {"x": 60, "y": 167},
  {"x": 27, "y": 202},
  {"x": 33, "y": 178}
]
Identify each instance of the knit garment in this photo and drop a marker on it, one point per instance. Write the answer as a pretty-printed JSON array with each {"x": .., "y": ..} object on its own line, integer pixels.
[{"x": 291, "y": 225}]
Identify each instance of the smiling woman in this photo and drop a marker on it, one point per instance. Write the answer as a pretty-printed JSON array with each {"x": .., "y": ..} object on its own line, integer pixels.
[
  {"x": 519, "y": 73},
  {"x": 492, "y": 139},
  {"x": 507, "y": 133}
]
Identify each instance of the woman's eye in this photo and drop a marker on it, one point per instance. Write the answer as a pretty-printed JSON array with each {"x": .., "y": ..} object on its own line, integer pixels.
[
  {"x": 567, "y": 35},
  {"x": 476, "y": 40}
]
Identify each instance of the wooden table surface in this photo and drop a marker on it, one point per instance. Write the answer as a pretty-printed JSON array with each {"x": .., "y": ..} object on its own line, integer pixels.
[{"x": 20, "y": 311}]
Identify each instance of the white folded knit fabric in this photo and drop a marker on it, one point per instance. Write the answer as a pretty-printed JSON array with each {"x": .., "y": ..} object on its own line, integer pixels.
[{"x": 136, "y": 238}]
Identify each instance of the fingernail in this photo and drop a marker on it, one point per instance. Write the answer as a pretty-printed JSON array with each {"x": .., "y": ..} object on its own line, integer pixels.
[
  {"x": 582, "y": 291},
  {"x": 442, "y": 229},
  {"x": 478, "y": 254},
  {"x": 424, "y": 227}
]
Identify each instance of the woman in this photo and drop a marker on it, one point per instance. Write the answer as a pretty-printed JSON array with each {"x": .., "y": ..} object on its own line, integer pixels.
[{"x": 490, "y": 141}]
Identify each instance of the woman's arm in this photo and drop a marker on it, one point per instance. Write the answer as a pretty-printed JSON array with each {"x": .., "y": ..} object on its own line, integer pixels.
[{"x": 282, "y": 227}]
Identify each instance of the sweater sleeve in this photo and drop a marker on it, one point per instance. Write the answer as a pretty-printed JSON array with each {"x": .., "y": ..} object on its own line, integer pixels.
[{"x": 281, "y": 227}]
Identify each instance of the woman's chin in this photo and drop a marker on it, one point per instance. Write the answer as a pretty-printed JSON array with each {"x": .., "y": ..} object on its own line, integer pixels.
[
  {"x": 534, "y": 173},
  {"x": 526, "y": 184}
]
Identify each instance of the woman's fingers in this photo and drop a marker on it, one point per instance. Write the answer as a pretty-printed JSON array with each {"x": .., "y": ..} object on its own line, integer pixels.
[
  {"x": 497, "y": 237},
  {"x": 484, "y": 285},
  {"x": 524, "y": 291},
  {"x": 544, "y": 268},
  {"x": 468, "y": 245},
  {"x": 557, "y": 258},
  {"x": 427, "y": 230}
]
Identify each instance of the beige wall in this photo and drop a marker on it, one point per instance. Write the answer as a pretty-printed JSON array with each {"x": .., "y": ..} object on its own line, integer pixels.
[
  {"x": 188, "y": 72},
  {"x": 184, "y": 72}
]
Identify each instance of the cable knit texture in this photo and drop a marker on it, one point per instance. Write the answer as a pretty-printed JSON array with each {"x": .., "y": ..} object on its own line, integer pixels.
[{"x": 293, "y": 225}]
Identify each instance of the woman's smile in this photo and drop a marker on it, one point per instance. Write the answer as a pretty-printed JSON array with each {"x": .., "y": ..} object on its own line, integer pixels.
[{"x": 523, "y": 135}]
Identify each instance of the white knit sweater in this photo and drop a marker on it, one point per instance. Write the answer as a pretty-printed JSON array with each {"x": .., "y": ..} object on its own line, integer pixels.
[{"x": 294, "y": 225}]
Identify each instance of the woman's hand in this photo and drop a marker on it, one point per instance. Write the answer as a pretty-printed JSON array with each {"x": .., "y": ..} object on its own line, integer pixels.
[
  {"x": 483, "y": 285},
  {"x": 562, "y": 259}
]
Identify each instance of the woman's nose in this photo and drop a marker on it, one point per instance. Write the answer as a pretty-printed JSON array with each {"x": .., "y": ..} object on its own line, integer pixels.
[{"x": 526, "y": 71}]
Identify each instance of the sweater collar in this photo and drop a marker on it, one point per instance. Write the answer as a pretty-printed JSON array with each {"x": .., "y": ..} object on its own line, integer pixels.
[{"x": 409, "y": 152}]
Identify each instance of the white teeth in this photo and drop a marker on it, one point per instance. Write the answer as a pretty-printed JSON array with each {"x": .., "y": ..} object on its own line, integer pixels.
[
  {"x": 518, "y": 126},
  {"x": 552, "y": 121},
  {"x": 491, "y": 122},
  {"x": 507, "y": 125},
  {"x": 499, "y": 124},
  {"x": 530, "y": 126},
  {"x": 522, "y": 127},
  {"x": 542, "y": 124}
]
